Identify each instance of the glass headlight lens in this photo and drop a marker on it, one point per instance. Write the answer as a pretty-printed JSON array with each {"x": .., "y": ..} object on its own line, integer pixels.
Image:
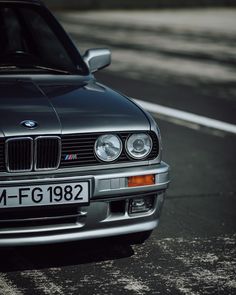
[
  {"x": 139, "y": 145},
  {"x": 108, "y": 147}
]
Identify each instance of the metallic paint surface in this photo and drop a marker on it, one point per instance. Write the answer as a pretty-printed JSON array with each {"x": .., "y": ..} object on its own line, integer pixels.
[{"x": 66, "y": 109}]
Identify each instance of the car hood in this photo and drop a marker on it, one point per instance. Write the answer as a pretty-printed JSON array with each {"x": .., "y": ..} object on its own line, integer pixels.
[{"x": 81, "y": 108}]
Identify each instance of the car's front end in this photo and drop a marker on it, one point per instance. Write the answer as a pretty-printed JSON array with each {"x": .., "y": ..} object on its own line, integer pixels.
[
  {"x": 77, "y": 159},
  {"x": 113, "y": 209}
]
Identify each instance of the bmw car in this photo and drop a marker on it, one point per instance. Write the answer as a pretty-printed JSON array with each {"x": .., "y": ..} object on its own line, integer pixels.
[{"x": 78, "y": 160}]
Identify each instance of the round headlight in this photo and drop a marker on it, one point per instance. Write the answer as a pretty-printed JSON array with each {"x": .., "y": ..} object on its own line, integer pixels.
[
  {"x": 139, "y": 145},
  {"x": 108, "y": 147}
]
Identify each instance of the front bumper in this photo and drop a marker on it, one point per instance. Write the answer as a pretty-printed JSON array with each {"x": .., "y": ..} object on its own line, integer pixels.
[{"x": 107, "y": 215}]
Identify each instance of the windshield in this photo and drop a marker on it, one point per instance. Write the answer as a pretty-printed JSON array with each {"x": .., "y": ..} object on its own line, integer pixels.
[{"x": 28, "y": 42}]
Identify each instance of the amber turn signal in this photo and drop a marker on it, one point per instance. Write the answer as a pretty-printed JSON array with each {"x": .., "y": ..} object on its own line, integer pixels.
[{"x": 141, "y": 180}]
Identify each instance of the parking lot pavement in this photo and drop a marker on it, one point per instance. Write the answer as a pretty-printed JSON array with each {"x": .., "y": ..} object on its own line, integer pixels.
[
  {"x": 194, "y": 249},
  {"x": 187, "y": 56},
  {"x": 197, "y": 43}
]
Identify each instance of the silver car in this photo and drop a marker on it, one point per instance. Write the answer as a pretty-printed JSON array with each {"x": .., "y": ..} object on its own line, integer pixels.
[{"x": 77, "y": 159}]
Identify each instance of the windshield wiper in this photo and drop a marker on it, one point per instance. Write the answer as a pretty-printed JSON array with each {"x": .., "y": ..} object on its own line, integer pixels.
[
  {"x": 26, "y": 67},
  {"x": 51, "y": 69}
]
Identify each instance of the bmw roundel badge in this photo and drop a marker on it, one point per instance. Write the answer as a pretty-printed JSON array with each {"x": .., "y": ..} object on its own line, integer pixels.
[{"x": 30, "y": 124}]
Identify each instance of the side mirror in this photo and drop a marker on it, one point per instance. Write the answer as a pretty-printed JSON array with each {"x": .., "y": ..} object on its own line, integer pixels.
[{"x": 97, "y": 59}]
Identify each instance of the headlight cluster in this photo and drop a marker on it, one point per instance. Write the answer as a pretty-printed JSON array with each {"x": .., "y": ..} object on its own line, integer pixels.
[
  {"x": 108, "y": 147},
  {"x": 138, "y": 146}
]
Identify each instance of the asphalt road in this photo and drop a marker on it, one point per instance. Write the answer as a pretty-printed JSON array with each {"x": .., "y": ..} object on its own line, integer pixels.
[{"x": 193, "y": 251}]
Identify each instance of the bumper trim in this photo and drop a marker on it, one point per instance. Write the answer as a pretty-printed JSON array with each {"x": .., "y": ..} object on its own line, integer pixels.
[
  {"x": 114, "y": 184},
  {"x": 109, "y": 183},
  {"x": 79, "y": 236}
]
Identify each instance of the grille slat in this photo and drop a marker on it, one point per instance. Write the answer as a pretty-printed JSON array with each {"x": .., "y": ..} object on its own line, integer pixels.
[
  {"x": 47, "y": 153},
  {"x": 19, "y": 154},
  {"x": 45, "y": 215},
  {"x": 83, "y": 146},
  {"x": 51, "y": 151}
]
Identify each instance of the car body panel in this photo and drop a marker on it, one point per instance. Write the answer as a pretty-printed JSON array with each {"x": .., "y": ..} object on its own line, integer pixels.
[
  {"x": 68, "y": 109},
  {"x": 93, "y": 108},
  {"x": 24, "y": 101}
]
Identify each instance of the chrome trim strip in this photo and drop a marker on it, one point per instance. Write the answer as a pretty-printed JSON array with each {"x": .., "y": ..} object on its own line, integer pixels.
[
  {"x": 40, "y": 229},
  {"x": 77, "y": 175},
  {"x": 7, "y": 156},
  {"x": 39, "y": 218},
  {"x": 97, "y": 189},
  {"x": 85, "y": 169},
  {"x": 79, "y": 235}
]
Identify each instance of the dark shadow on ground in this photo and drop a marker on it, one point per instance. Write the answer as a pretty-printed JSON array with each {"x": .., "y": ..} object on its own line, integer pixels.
[{"x": 66, "y": 254}]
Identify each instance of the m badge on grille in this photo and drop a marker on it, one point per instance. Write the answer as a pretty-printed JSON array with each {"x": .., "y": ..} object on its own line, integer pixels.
[{"x": 71, "y": 157}]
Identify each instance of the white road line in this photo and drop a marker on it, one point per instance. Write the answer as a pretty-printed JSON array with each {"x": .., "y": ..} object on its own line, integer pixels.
[{"x": 185, "y": 116}]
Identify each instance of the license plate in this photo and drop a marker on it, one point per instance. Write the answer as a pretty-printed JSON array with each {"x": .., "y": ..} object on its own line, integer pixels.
[{"x": 39, "y": 195}]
